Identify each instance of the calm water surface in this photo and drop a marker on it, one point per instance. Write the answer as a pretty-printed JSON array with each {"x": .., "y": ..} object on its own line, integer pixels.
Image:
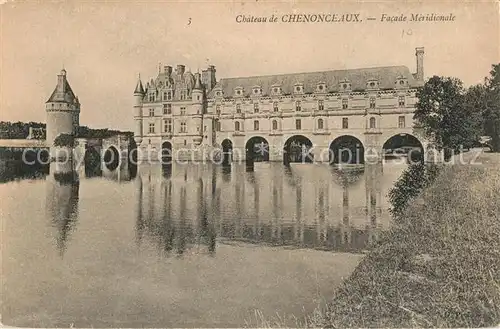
[{"x": 189, "y": 245}]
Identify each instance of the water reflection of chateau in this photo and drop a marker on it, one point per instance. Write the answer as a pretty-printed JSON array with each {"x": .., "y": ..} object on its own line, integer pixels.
[
  {"x": 62, "y": 198},
  {"x": 192, "y": 205}
]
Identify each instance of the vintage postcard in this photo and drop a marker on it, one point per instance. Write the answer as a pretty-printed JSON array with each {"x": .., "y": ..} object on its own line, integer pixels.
[{"x": 250, "y": 164}]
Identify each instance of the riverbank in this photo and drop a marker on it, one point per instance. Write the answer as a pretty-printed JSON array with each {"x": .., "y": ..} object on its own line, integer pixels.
[{"x": 439, "y": 266}]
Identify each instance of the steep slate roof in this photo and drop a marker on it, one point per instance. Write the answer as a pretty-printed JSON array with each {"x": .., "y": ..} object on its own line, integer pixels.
[
  {"x": 139, "y": 89},
  {"x": 63, "y": 92},
  {"x": 358, "y": 78}
]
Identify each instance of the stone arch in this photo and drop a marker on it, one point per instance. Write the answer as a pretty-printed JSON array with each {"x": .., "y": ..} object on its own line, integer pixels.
[
  {"x": 111, "y": 158},
  {"x": 346, "y": 149},
  {"x": 298, "y": 148},
  {"x": 227, "y": 151},
  {"x": 257, "y": 149},
  {"x": 404, "y": 145}
]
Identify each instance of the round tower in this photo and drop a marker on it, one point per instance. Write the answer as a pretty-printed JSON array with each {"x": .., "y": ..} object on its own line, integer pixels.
[
  {"x": 63, "y": 110},
  {"x": 138, "y": 96},
  {"x": 197, "y": 106}
]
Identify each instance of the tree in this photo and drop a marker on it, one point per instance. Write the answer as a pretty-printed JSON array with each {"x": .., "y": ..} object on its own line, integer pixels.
[
  {"x": 64, "y": 140},
  {"x": 447, "y": 114},
  {"x": 491, "y": 110}
]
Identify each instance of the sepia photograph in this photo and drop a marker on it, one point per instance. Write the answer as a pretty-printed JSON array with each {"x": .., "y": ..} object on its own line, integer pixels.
[{"x": 249, "y": 164}]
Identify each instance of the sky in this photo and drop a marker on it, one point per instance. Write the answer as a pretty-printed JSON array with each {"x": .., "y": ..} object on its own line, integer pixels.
[{"x": 105, "y": 45}]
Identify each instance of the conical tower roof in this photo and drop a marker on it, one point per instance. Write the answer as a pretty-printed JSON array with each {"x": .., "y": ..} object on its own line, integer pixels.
[
  {"x": 139, "y": 89},
  {"x": 63, "y": 91},
  {"x": 197, "y": 82}
]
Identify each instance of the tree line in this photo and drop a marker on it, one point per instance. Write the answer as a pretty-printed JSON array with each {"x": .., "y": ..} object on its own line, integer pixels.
[
  {"x": 20, "y": 130},
  {"x": 455, "y": 117}
]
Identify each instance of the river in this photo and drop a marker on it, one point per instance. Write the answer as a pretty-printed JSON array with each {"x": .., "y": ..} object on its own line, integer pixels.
[{"x": 185, "y": 246}]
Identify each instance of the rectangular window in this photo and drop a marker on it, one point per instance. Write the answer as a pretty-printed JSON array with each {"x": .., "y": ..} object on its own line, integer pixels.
[
  {"x": 345, "y": 123},
  {"x": 167, "y": 108},
  {"x": 151, "y": 112},
  {"x": 256, "y": 108},
  {"x": 169, "y": 95},
  {"x": 275, "y": 107},
  {"x": 298, "y": 124},
  {"x": 217, "y": 109},
  {"x": 401, "y": 122},
  {"x": 345, "y": 103},
  {"x": 167, "y": 125},
  {"x": 183, "y": 127},
  {"x": 151, "y": 97},
  {"x": 151, "y": 128},
  {"x": 372, "y": 102},
  {"x": 256, "y": 125},
  {"x": 321, "y": 105},
  {"x": 183, "y": 110},
  {"x": 217, "y": 125},
  {"x": 298, "y": 107},
  {"x": 183, "y": 95},
  {"x": 401, "y": 101},
  {"x": 238, "y": 108}
]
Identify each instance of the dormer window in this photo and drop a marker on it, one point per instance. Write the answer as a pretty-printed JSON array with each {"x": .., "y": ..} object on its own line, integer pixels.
[
  {"x": 238, "y": 108},
  {"x": 218, "y": 92},
  {"x": 372, "y": 84},
  {"x": 298, "y": 88},
  {"x": 345, "y": 85},
  {"x": 401, "y": 82},
  {"x": 276, "y": 90},
  {"x": 256, "y": 91},
  {"x": 321, "y": 87},
  {"x": 238, "y": 91}
]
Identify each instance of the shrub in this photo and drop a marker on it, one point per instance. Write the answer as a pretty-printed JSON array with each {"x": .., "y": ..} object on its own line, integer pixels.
[
  {"x": 411, "y": 183},
  {"x": 64, "y": 140}
]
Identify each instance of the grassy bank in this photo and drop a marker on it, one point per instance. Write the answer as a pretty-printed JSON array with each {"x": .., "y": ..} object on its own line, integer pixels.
[{"x": 440, "y": 264}]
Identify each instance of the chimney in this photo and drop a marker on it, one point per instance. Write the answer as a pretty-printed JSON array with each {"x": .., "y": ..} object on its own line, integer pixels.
[
  {"x": 168, "y": 70},
  {"x": 208, "y": 77},
  {"x": 61, "y": 81},
  {"x": 180, "y": 69},
  {"x": 419, "y": 53}
]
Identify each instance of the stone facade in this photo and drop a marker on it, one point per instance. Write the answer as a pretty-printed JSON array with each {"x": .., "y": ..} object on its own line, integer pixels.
[{"x": 194, "y": 115}]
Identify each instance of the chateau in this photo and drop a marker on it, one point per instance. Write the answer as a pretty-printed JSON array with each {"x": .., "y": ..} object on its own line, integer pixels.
[{"x": 193, "y": 116}]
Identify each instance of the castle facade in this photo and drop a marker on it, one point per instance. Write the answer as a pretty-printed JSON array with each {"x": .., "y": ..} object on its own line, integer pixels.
[{"x": 193, "y": 116}]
